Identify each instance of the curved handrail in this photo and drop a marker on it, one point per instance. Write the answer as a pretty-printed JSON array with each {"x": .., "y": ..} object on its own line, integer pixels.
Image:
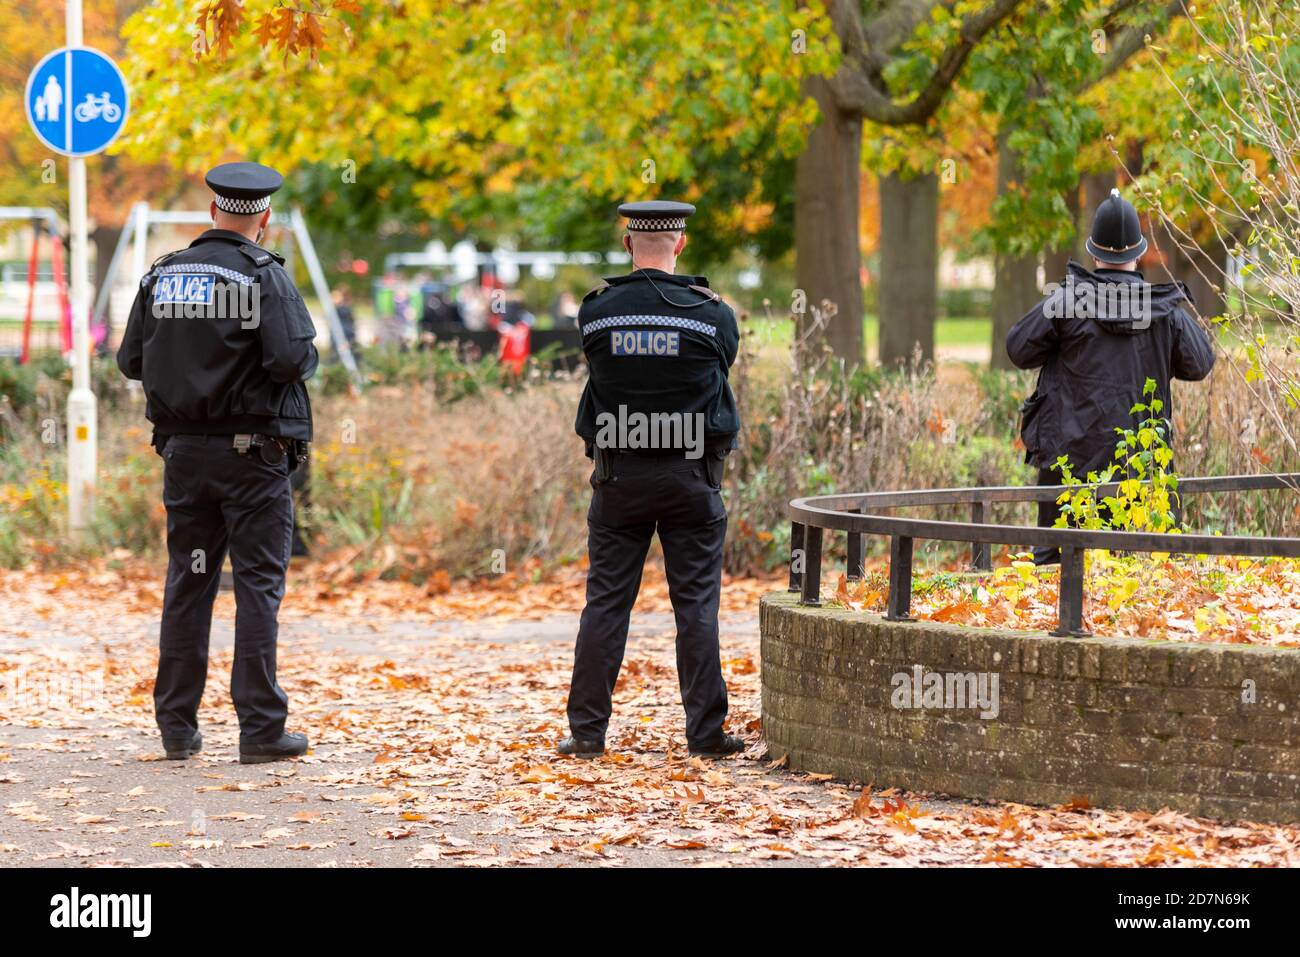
[{"x": 853, "y": 513}]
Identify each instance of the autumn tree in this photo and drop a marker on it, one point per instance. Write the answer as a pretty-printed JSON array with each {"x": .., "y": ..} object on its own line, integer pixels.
[
  {"x": 899, "y": 62},
  {"x": 510, "y": 115},
  {"x": 1147, "y": 133},
  {"x": 1034, "y": 75},
  {"x": 1021, "y": 92},
  {"x": 34, "y": 176},
  {"x": 656, "y": 104}
]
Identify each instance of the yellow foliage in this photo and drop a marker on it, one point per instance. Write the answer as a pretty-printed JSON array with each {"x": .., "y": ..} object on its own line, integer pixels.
[{"x": 482, "y": 97}]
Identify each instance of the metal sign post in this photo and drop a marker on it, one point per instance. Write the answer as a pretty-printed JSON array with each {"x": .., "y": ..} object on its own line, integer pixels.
[
  {"x": 77, "y": 104},
  {"x": 83, "y": 439}
]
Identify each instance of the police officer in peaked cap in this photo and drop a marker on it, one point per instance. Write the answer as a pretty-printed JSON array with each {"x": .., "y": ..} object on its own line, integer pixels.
[
  {"x": 658, "y": 418},
  {"x": 222, "y": 343}
]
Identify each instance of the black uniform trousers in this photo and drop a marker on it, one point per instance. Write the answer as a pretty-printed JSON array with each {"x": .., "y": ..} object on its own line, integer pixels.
[
  {"x": 645, "y": 494},
  {"x": 219, "y": 500},
  {"x": 1048, "y": 513}
]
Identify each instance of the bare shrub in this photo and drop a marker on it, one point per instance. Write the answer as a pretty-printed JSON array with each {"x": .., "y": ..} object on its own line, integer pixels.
[{"x": 459, "y": 488}]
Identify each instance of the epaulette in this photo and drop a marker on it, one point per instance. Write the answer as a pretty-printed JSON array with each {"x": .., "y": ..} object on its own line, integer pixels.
[
  {"x": 596, "y": 290},
  {"x": 706, "y": 292},
  {"x": 260, "y": 256},
  {"x": 144, "y": 280}
]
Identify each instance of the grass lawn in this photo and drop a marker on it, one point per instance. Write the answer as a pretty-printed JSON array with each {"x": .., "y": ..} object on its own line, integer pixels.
[
  {"x": 965, "y": 338},
  {"x": 958, "y": 339}
]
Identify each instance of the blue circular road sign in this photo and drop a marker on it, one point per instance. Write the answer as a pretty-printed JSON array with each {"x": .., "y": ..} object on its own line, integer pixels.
[{"x": 76, "y": 101}]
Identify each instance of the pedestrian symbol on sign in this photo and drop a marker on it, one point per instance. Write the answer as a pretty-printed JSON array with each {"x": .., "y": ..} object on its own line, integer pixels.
[{"x": 48, "y": 103}]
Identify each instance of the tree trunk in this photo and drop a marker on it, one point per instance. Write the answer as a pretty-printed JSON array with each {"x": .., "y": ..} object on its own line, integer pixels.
[
  {"x": 1055, "y": 259},
  {"x": 909, "y": 266},
  {"x": 828, "y": 254},
  {"x": 1096, "y": 187},
  {"x": 1201, "y": 269},
  {"x": 1015, "y": 277},
  {"x": 1015, "y": 290}
]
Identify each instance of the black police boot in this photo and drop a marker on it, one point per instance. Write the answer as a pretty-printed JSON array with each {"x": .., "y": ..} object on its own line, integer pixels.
[
  {"x": 581, "y": 749},
  {"x": 287, "y": 746},
  {"x": 178, "y": 749},
  {"x": 728, "y": 744}
]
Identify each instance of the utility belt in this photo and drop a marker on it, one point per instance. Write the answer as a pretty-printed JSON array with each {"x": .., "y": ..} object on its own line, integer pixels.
[
  {"x": 714, "y": 461},
  {"x": 273, "y": 449}
]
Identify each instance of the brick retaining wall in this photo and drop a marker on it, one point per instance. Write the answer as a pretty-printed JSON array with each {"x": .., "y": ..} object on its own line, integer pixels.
[{"x": 1133, "y": 724}]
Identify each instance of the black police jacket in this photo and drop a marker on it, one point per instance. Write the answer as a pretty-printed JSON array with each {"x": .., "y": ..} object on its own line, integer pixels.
[
  {"x": 222, "y": 342},
  {"x": 655, "y": 345},
  {"x": 1098, "y": 337}
]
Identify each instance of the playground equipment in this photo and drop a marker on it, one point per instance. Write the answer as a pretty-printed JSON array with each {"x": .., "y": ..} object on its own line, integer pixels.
[{"x": 44, "y": 221}]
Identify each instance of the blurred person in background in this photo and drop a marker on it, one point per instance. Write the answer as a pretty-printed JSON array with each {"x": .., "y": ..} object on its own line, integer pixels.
[{"x": 342, "y": 298}]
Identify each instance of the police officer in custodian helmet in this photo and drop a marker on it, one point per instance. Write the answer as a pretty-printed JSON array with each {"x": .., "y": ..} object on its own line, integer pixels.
[
  {"x": 1098, "y": 336},
  {"x": 222, "y": 342},
  {"x": 658, "y": 418}
]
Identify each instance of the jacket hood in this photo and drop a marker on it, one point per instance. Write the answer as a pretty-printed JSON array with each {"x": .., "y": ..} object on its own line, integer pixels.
[{"x": 1120, "y": 301}]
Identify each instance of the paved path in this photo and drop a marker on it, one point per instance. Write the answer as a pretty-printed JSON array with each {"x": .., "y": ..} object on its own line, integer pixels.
[
  {"x": 433, "y": 746},
  {"x": 91, "y": 789}
]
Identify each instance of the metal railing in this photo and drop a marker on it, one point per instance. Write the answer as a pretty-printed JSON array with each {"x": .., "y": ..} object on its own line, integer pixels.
[{"x": 855, "y": 514}]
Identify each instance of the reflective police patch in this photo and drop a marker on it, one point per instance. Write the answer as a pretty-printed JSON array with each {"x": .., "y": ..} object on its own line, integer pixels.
[
  {"x": 183, "y": 288},
  {"x": 645, "y": 342}
]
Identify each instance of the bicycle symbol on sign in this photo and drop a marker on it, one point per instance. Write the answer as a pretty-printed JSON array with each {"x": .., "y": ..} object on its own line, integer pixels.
[{"x": 97, "y": 106}]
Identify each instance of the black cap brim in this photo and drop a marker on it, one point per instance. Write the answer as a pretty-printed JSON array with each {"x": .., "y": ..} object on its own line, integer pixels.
[{"x": 1113, "y": 257}]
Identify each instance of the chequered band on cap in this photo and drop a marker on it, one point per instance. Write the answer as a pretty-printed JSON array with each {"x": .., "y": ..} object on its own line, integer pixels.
[
  {"x": 665, "y": 224},
  {"x": 242, "y": 207}
]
